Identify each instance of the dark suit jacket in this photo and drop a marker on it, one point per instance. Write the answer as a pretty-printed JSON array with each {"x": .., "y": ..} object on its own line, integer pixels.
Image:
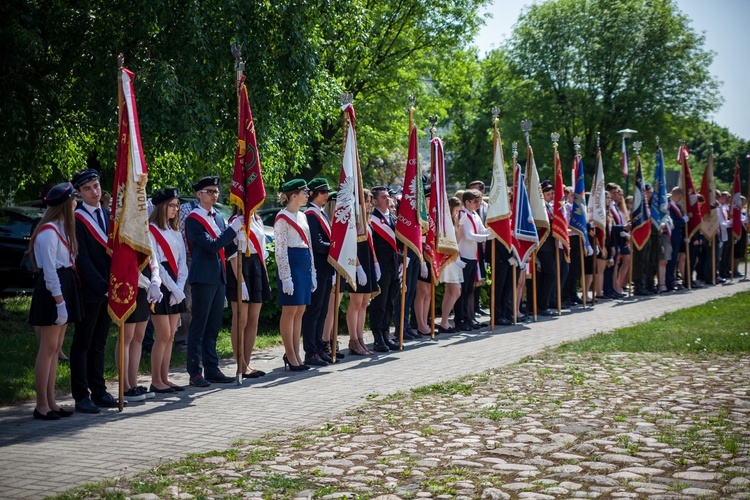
[
  {"x": 319, "y": 241},
  {"x": 207, "y": 267},
  {"x": 387, "y": 257},
  {"x": 92, "y": 264}
]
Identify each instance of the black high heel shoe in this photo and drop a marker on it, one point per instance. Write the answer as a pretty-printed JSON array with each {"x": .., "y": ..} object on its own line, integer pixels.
[{"x": 294, "y": 368}]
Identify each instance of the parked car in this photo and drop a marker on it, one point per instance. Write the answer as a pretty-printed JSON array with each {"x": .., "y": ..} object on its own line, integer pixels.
[{"x": 16, "y": 226}]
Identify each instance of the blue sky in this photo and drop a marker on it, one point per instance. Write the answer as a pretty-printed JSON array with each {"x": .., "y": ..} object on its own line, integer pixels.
[{"x": 725, "y": 25}]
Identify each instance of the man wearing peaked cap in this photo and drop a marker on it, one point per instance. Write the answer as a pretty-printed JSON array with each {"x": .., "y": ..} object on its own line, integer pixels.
[
  {"x": 546, "y": 257},
  {"x": 92, "y": 265},
  {"x": 207, "y": 237},
  {"x": 314, "y": 317}
]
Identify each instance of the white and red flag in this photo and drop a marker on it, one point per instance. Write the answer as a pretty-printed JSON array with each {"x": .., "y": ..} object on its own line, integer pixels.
[
  {"x": 596, "y": 210},
  {"x": 559, "y": 217},
  {"x": 536, "y": 198},
  {"x": 498, "y": 209},
  {"x": 441, "y": 246},
  {"x": 737, "y": 202},
  {"x": 342, "y": 254},
  {"x": 690, "y": 205},
  {"x": 710, "y": 225},
  {"x": 248, "y": 191},
  {"x": 129, "y": 242},
  {"x": 408, "y": 227}
]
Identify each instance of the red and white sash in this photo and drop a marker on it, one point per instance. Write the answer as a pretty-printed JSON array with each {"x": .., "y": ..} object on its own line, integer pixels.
[
  {"x": 63, "y": 240},
  {"x": 166, "y": 248},
  {"x": 86, "y": 218},
  {"x": 211, "y": 232},
  {"x": 616, "y": 215},
  {"x": 323, "y": 222},
  {"x": 295, "y": 225},
  {"x": 384, "y": 231},
  {"x": 470, "y": 216},
  {"x": 254, "y": 241}
]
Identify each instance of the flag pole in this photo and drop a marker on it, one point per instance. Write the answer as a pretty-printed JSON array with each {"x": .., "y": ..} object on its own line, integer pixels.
[
  {"x": 685, "y": 202},
  {"x": 526, "y": 127},
  {"x": 731, "y": 234},
  {"x": 495, "y": 114},
  {"x": 239, "y": 66},
  {"x": 406, "y": 251},
  {"x": 637, "y": 148},
  {"x": 335, "y": 338},
  {"x": 433, "y": 131},
  {"x": 596, "y": 240},
  {"x": 747, "y": 213},
  {"x": 555, "y": 137},
  {"x": 514, "y": 149},
  {"x": 121, "y": 326},
  {"x": 577, "y": 148}
]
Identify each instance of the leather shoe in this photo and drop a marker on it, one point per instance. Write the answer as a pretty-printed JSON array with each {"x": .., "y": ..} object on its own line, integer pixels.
[
  {"x": 392, "y": 345},
  {"x": 220, "y": 378},
  {"x": 482, "y": 312},
  {"x": 106, "y": 401},
  {"x": 64, "y": 413},
  {"x": 199, "y": 381},
  {"x": 546, "y": 312},
  {"x": 50, "y": 415},
  {"x": 504, "y": 322},
  {"x": 463, "y": 327},
  {"x": 87, "y": 406},
  {"x": 314, "y": 360},
  {"x": 523, "y": 319},
  {"x": 440, "y": 329},
  {"x": 325, "y": 357},
  {"x": 252, "y": 374},
  {"x": 577, "y": 300},
  {"x": 155, "y": 389}
]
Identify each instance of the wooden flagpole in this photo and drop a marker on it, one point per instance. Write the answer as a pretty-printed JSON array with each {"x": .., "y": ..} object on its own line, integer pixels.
[
  {"x": 495, "y": 114},
  {"x": 239, "y": 66},
  {"x": 555, "y": 137},
  {"x": 747, "y": 214},
  {"x": 514, "y": 149},
  {"x": 637, "y": 148},
  {"x": 582, "y": 251},
  {"x": 526, "y": 128},
  {"x": 335, "y": 337},
  {"x": 406, "y": 251},
  {"x": 121, "y": 327},
  {"x": 685, "y": 202},
  {"x": 433, "y": 131}
]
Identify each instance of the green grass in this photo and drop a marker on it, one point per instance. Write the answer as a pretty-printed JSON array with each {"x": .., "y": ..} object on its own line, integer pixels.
[
  {"x": 18, "y": 350},
  {"x": 718, "y": 326}
]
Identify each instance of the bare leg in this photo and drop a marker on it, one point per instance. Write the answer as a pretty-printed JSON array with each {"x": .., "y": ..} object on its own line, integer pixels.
[
  {"x": 134, "y": 358},
  {"x": 452, "y": 293},
  {"x": 128, "y": 332},
  {"x": 422, "y": 305},
  {"x": 174, "y": 320},
  {"x": 298, "y": 332},
  {"x": 624, "y": 272},
  {"x": 251, "y": 332},
  {"x": 45, "y": 366},
  {"x": 601, "y": 265},
  {"x": 328, "y": 325},
  {"x": 286, "y": 327},
  {"x": 235, "y": 340},
  {"x": 162, "y": 334}
]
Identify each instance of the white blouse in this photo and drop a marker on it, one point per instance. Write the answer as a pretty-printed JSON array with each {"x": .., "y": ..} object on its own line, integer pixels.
[
  {"x": 51, "y": 254},
  {"x": 177, "y": 245},
  {"x": 259, "y": 230},
  {"x": 288, "y": 237},
  {"x": 467, "y": 245}
]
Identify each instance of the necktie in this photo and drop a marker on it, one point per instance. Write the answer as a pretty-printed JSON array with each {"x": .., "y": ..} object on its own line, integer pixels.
[{"x": 100, "y": 220}]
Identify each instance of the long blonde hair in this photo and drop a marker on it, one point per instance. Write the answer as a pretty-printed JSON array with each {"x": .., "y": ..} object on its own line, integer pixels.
[{"x": 64, "y": 211}]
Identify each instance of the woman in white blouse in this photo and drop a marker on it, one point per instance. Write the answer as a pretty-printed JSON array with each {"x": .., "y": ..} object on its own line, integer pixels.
[
  {"x": 295, "y": 275},
  {"x": 169, "y": 249},
  {"x": 55, "y": 301}
]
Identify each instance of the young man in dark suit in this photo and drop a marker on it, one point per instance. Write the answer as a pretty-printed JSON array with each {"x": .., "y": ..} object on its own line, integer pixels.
[
  {"x": 92, "y": 266},
  {"x": 207, "y": 236}
]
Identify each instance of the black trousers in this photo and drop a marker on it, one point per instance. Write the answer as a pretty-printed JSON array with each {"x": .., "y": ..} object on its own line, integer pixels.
[
  {"x": 503, "y": 282},
  {"x": 314, "y": 317},
  {"x": 87, "y": 352},
  {"x": 640, "y": 264},
  {"x": 564, "y": 268},
  {"x": 574, "y": 269},
  {"x": 381, "y": 307},
  {"x": 461, "y": 311},
  {"x": 208, "y": 308},
  {"x": 652, "y": 264},
  {"x": 412, "y": 276},
  {"x": 546, "y": 278}
]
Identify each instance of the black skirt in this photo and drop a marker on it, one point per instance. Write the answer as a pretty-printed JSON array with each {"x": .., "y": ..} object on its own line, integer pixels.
[
  {"x": 256, "y": 278},
  {"x": 142, "y": 308},
  {"x": 367, "y": 261},
  {"x": 163, "y": 308},
  {"x": 43, "y": 311}
]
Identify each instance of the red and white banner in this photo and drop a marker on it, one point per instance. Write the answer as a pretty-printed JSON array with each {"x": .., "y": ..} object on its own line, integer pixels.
[
  {"x": 559, "y": 217},
  {"x": 690, "y": 205},
  {"x": 596, "y": 210},
  {"x": 342, "y": 254},
  {"x": 129, "y": 242},
  {"x": 441, "y": 247},
  {"x": 737, "y": 202},
  {"x": 536, "y": 198},
  {"x": 498, "y": 206},
  {"x": 710, "y": 225},
  {"x": 408, "y": 228}
]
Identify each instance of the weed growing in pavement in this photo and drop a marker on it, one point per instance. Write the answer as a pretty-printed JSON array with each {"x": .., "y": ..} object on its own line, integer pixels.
[{"x": 446, "y": 388}]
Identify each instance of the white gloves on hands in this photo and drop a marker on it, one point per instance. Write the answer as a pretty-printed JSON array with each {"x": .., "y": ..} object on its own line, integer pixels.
[
  {"x": 62, "y": 314},
  {"x": 423, "y": 270},
  {"x": 333, "y": 280},
  {"x": 245, "y": 293},
  {"x": 237, "y": 223},
  {"x": 241, "y": 241},
  {"x": 176, "y": 297},
  {"x": 377, "y": 271},
  {"x": 685, "y": 218},
  {"x": 314, "y": 283},
  {"x": 460, "y": 263},
  {"x": 408, "y": 259},
  {"x": 361, "y": 276},
  {"x": 154, "y": 293},
  {"x": 287, "y": 286},
  {"x": 589, "y": 251},
  {"x": 400, "y": 269}
]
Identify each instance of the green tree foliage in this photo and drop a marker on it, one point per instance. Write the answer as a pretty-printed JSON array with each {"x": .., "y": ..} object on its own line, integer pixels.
[{"x": 580, "y": 66}]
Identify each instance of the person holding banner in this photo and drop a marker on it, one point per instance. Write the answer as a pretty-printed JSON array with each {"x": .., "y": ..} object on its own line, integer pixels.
[
  {"x": 452, "y": 274},
  {"x": 677, "y": 240},
  {"x": 473, "y": 233},
  {"x": 55, "y": 301},
  {"x": 296, "y": 276},
  {"x": 93, "y": 265},
  {"x": 208, "y": 236},
  {"x": 169, "y": 250}
]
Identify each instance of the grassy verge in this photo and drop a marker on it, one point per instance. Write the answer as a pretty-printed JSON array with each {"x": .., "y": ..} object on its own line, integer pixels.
[{"x": 18, "y": 350}]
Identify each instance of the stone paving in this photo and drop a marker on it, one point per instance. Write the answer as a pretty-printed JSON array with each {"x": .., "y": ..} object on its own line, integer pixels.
[{"x": 41, "y": 458}]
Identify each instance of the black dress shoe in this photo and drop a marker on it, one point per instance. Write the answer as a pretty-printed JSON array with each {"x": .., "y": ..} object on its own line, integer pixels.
[
  {"x": 463, "y": 327},
  {"x": 177, "y": 388},
  {"x": 504, "y": 322},
  {"x": 314, "y": 360},
  {"x": 50, "y": 415},
  {"x": 482, "y": 312},
  {"x": 476, "y": 325},
  {"x": 392, "y": 345},
  {"x": 199, "y": 381},
  {"x": 546, "y": 312},
  {"x": 220, "y": 378},
  {"x": 325, "y": 357},
  {"x": 577, "y": 300},
  {"x": 64, "y": 413},
  {"x": 523, "y": 319},
  {"x": 252, "y": 374},
  {"x": 87, "y": 406},
  {"x": 380, "y": 347},
  {"x": 106, "y": 401},
  {"x": 168, "y": 390},
  {"x": 440, "y": 329}
]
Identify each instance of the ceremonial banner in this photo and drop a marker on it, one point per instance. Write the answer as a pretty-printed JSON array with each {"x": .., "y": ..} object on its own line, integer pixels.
[
  {"x": 710, "y": 225},
  {"x": 659, "y": 202},
  {"x": 559, "y": 218},
  {"x": 578, "y": 214},
  {"x": 690, "y": 206},
  {"x": 248, "y": 191},
  {"x": 441, "y": 247},
  {"x": 640, "y": 220},
  {"x": 498, "y": 210},
  {"x": 596, "y": 212},
  {"x": 536, "y": 198},
  {"x": 525, "y": 236},
  {"x": 342, "y": 254},
  {"x": 737, "y": 203},
  {"x": 129, "y": 243},
  {"x": 408, "y": 227}
]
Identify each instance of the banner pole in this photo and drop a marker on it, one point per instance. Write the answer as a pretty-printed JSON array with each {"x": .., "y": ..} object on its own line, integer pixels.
[
  {"x": 403, "y": 301},
  {"x": 121, "y": 327},
  {"x": 432, "y": 311},
  {"x": 239, "y": 66},
  {"x": 515, "y": 295},
  {"x": 335, "y": 336},
  {"x": 492, "y": 286},
  {"x": 533, "y": 283},
  {"x": 559, "y": 286},
  {"x": 583, "y": 270}
]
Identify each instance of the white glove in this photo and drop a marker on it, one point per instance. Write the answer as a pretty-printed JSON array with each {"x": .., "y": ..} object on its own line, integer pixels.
[
  {"x": 241, "y": 241},
  {"x": 589, "y": 251},
  {"x": 314, "y": 283},
  {"x": 237, "y": 223},
  {"x": 423, "y": 270},
  {"x": 460, "y": 263},
  {"x": 245, "y": 293},
  {"x": 685, "y": 218},
  {"x": 408, "y": 259},
  {"x": 143, "y": 282},
  {"x": 154, "y": 293},
  {"x": 377, "y": 271},
  {"x": 361, "y": 276},
  {"x": 176, "y": 297},
  {"x": 287, "y": 286},
  {"x": 62, "y": 314},
  {"x": 400, "y": 269},
  {"x": 513, "y": 261},
  {"x": 333, "y": 280}
]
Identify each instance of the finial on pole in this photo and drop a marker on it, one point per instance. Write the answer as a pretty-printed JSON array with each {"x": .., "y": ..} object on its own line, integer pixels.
[
  {"x": 637, "y": 145},
  {"x": 495, "y": 114},
  {"x": 514, "y": 148},
  {"x": 526, "y": 128},
  {"x": 412, "y": 100},
  {"x": 554, "y": 136},
  {"x": 598, "y": 140},
  {"x": 346, "y": 98},
  {"x": 120, "y": 60},
  {"x": 577, "y": 144},
  {"x": 239, "y": 64},
  {"x": 433, "y": 124},
  {"x": 657, "y": 141},
  {"x": 712, "y": 148}
]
